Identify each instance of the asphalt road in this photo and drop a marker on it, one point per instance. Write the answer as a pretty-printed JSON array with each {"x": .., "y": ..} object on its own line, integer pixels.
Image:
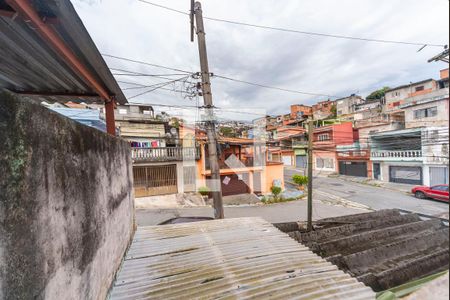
[{"x": 374, "y": 197}]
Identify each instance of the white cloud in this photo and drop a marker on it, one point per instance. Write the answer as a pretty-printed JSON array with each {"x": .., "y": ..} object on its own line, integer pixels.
[{"x": 133, "y": 29}]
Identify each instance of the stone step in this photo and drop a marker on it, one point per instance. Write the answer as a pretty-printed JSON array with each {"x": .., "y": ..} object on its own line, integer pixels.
[
  {"x": 402, "y": 272},
  {"x": 373, "y": 238},
  {"x": 385, "y": 213},
  {"x": 423, "y": 242},
  {"x": 328, "y": 234}
]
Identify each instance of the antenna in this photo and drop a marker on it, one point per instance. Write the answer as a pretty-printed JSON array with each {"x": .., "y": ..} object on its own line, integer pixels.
[{"x": 192, "y": 20}]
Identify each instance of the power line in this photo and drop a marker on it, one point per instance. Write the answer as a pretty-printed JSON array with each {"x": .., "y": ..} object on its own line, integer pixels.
[
  {"x": 160, "y": 85},
  {"x": 299, "y": 31},
  {"x": 222, "y": 77},
  {"x": 275, "y": 88},
  {"x": 145, "y": 63}
]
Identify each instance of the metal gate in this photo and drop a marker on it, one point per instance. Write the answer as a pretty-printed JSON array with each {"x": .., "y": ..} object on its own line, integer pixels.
[
  {"x": 257, "y": 182},
  {"x": 409, "y": 175},
  {"x": 353, "y": 168},
  {"x": 376, "y": 171},
  {"x": 301, "y": 161},
  {"x": 438, "y": 175},
  {"x": 155, "y": 180}
]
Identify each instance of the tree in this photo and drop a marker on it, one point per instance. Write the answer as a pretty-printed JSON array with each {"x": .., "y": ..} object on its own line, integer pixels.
[
  {"x": 227, "y": 132},
  {"x": 378, "y": 94},
  {"x": 333, "y": 111}
]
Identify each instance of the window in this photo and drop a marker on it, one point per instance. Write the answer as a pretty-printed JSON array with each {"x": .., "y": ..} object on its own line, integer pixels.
[
  {"x": 432, "y": 136},
  {"x": 323, "y": 137},
  {"x": 441, "y": 188},
  {"x": 122, "y": 111},
  {"x": 420, "y": 88},
  {"x": 425, "y": 112}
]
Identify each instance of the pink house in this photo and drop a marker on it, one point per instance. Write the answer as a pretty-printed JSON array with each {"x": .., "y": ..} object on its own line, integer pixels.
[{"x": 326, "y": 139}]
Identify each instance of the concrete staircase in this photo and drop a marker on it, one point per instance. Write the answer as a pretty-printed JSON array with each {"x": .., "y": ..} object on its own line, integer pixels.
[{"x": 383, "y": 249}]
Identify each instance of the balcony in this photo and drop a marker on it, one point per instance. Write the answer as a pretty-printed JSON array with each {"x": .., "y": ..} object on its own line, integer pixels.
[
  {"x": 353, "y": 154},
  {"x": 299, "y": 144},
  {"x": 164, "y": 154},
  {"x": 402, "y": 155}
]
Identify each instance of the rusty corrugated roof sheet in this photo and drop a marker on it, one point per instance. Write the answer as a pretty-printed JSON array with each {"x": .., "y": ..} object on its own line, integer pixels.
[{"x": 228, "y": 259}]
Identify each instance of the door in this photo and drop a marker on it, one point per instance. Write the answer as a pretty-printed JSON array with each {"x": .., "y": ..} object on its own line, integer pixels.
[
  {"x": 287, "y": 160},
  {"x": 301, "y": 161},
  {"x": 353, "y": 168},
  {"x": 439, "y": 192},
  {"x": 234, "y": 184},
  {"x": 408, "y": 175},
  {"x": 376, "y": 171},
  {"x": 438, "y": 176},
  {"x": 257, "y": 182},
  {"x": 155, "y": 180}
]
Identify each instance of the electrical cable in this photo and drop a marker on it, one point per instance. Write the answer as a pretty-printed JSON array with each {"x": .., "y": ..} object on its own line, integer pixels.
[{"x": 299, "y": 31}]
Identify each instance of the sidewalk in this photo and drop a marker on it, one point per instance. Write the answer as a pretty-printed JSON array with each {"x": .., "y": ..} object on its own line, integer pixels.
[{"x": 398, "y": 187}]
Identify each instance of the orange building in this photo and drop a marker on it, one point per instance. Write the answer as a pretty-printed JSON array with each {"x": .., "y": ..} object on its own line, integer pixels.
[
  {"x": 244, "y": 167},
  {"x": 300, "y": 111}
]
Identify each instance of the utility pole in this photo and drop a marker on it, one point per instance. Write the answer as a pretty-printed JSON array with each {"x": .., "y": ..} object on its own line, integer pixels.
[
  {"x": 310, "y": 172},
  {"x": 208, "y": 103}
]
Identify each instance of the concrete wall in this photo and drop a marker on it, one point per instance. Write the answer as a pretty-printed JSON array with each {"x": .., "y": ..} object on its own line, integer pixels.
[
  {"x": 441, "y": 119},
  {"x": 400, "y": 95},
  {"x": 66, "y": 205}
]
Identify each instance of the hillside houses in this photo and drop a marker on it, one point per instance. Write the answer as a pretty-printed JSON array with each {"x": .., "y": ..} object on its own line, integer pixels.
[{"x": 401, "y": 137}]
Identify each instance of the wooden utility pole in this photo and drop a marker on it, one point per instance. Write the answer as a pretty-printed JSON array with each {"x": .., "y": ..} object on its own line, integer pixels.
[
  {"x": 310, "y": 172},
  {"x": 210, "y": 121}
]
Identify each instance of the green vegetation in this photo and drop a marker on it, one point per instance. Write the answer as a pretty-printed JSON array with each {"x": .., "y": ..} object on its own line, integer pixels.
[
  {"x": 276, "y": 191},
  {"x": 333, "y": 111},
  {"x": 300, "y": 180},
  {"x": 204, "y": 190},
  {"x": 227, "y": 132},
  {"x": 378, "y": 94}
]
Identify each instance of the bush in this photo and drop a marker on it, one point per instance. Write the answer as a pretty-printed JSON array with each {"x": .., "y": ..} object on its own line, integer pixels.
[
  {"x": 204, "y": 190},
  {"x": 300, "y": 179},
  {"x": 276, "y": 190}
]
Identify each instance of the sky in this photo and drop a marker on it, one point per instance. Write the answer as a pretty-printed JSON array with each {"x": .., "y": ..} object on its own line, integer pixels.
[{"x": 313, "y": 64}]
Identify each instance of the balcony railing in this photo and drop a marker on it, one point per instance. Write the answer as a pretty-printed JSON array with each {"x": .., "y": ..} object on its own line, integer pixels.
[
  {"x": 244, "y": 163},
  {"x": 299, "y": 143},
  {"x": 408, "y": 154},
  {"x": 353, "y": 153},
  {"x": 165, "y": 154}
]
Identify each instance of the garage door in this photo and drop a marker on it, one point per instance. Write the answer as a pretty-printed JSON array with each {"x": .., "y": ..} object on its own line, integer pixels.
[
  {"x": 301, "y": 161},
  {"x": 409, "y": 175},
  {"x": 438, "y": 176},
  {"x": 353, "y": 168},
  {"x": 287, "y": 160},
  {"x": 155, "y": 180},
  {"x": 235, "y": 184}
]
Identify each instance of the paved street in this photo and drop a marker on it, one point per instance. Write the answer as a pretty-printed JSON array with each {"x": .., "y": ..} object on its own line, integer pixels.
[
  {"x": 374, "y": 197},
  {"x": 329, "y": 194}
]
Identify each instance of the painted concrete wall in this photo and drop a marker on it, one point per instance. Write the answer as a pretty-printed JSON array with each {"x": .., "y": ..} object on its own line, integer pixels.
[
  {"x": 66, "y": 205},
  {"x": 400, "y": 95},
  {"x": 271, "y": 173},
  {"x": 441, "y": 119}
]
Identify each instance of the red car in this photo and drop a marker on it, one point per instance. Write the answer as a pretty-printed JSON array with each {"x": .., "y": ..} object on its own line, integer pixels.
[{"x": 437, "y": 192}]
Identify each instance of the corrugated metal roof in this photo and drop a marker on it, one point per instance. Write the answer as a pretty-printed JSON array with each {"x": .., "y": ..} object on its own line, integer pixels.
[
  {"x": 29, "y": 65},
  {"x": 383, "y": 249},
  {"x": 228, "y": 259}
]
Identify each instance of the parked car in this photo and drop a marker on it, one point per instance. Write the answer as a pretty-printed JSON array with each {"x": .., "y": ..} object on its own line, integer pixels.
[{"x": 437, "y": 192}]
